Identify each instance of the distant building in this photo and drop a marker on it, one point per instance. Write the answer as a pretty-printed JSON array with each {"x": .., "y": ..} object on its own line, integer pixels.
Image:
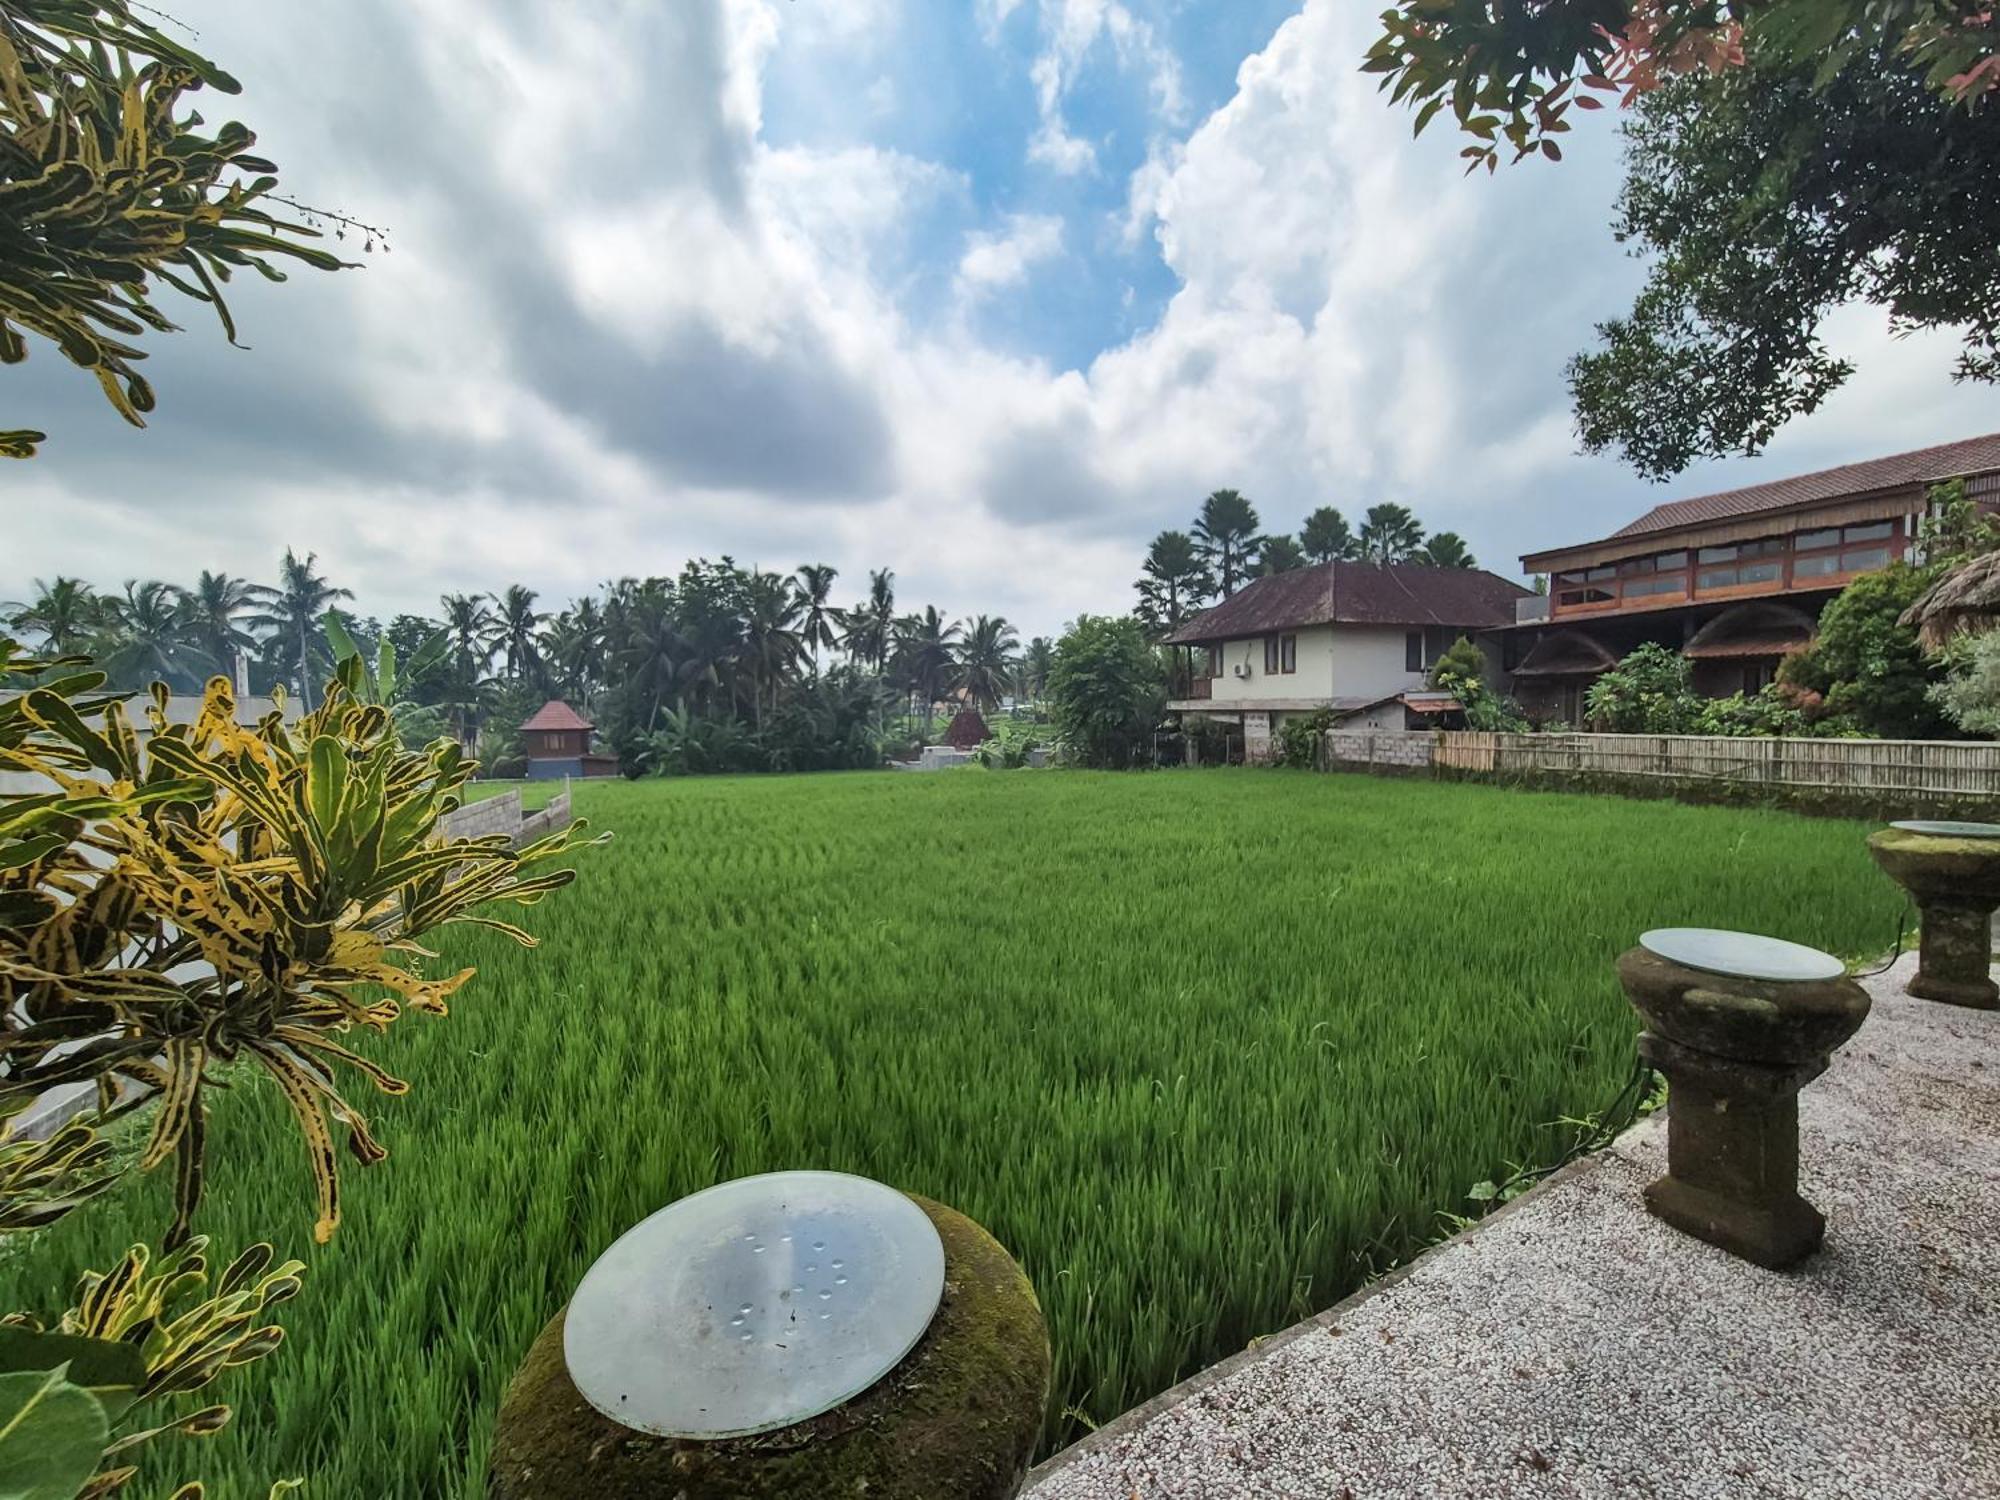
[
  {"x": 556, "y": 741},
  {"x": 1732, "y": 580},
  {"x": 1357, "y": 639}
]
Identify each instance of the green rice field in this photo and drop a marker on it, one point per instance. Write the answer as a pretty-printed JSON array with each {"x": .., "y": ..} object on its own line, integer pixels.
[{"x": 1205, "y": 1049}]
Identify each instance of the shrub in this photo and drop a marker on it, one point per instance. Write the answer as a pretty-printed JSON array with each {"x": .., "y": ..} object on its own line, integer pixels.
[
  {"x": 1649, "y": 692},
  {"x": 1300, "y": 738},
  {"x": 508, "y": 768},
  {"x": 1970, "y": 694},
  {"x": 1461, "y": 671},
  {"x": 1107, "y": 691},
  {"x": 210, "y": 896},
  {"x": 1867, "y": 664}
]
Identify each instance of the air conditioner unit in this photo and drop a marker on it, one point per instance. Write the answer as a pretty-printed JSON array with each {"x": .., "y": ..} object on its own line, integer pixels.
[{"x": 1242, "y": 669}]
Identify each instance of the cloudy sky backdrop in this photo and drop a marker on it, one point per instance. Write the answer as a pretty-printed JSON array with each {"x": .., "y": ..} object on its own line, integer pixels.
[{"x": 986, "y": 291}]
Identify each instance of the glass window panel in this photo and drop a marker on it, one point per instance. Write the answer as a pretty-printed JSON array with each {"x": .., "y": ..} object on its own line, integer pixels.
[
  {"x": 1718, "y": 554},
  {"x": 1718, "y": 578},
  {"x": 1768, "y": 547},
  {"x": 1569, "y": 578},
  {"x": 1637, "y": 565},
  {"x": 1861, "y": 560},
  {"x": 1413, "y": 642},
  {"x": 1288, "y": 653},
  {"x": 1816, "y": 567},
  {"x": 1763, "y": 572},
  {"x": 1808, "y": 541},
  {"x": 1596, "y": 573},
  {"x": 1568, "y": 596},
  {"x": 1668, "y": 561},
  {"x": 1873, "y": 531},
  {"x": 1270, "y": 654}
]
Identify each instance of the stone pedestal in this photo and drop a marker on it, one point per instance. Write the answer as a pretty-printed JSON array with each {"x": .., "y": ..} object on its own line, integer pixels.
[
  {"x": 1956, "y": 885},
  {"x": 957, "y": 1419},
  {"x": 1735, "y": 1053}
]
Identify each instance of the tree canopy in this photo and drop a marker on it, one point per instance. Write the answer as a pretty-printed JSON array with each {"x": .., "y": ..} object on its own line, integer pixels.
[{"x": 1766, "y": 197}]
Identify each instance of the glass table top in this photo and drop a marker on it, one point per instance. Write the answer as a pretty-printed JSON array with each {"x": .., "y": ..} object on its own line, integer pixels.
[
  {"x": 1742, "y": 955},
  {"x": 754, "y": 1304},
  {"x": 1946, "y": 829}
]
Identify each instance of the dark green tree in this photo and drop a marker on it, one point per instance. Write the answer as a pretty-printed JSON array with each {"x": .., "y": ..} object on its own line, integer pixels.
[
  {"x": 1327, "y": 537},
  {"x": 1867, "y": 665},
  {"x": 291, "y": 612},
  {"x": 1446, "y": 549},
  {"x": 983, "y": 664},
  {"x": 1225, "y": 534},
  {"x": 1107, "y": 690},
  {"x": 1649, "y": 692},
  {"x": 1173, "y": 581},
  {"x": 1279, "y": 554},
  {"x": 64, "y": 613},
  {"x": 1765, "y": 200},
  {"x": 1390, "y": 534}
]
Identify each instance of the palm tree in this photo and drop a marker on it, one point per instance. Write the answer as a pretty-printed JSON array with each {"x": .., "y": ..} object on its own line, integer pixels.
[
  {"x": 1225, "y": 534},
  {"x": 294, "y": 609},
  {"x": 216, "y": 606},
  {"x": 1174, "y": 580},
  {"x": 514, "y": 627},
  {"x": 924, "y": 654},
  {"x": 817, "y": 616},
  {"x": 148, "y": 635},
  {"x": 870, "y": 627},
  {"x": 64, "y": 613},
  {"x": 1326, "y": 536},
  {"x": 1390, "y": 534},
  {"x": 1279, "y": 554},
  {"x": 573, "y": 644},
  {"x": 773, "y": 644},
  {"x": 1447, "y": 549},
  {"x": 1032, "y": 678},
  {"x": 468, "y": 626},
  {"x": 985, "y": 660}
]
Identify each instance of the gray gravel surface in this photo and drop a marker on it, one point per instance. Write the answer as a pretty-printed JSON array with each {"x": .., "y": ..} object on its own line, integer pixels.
[{"x": 1573, "y": 1346}]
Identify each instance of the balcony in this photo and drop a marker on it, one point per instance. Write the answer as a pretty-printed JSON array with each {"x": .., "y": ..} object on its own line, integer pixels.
[{"x": 1200, "y": 688}]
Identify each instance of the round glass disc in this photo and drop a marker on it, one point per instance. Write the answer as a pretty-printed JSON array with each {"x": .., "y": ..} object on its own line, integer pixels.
[
  {"x": 1946, "y": 829},
  {"x": 754, "y": 1304},
  {"x": 1742, "y": 955}
]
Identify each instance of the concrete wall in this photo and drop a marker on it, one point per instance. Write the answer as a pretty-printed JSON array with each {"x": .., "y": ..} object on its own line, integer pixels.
[
  {"x": 1313, "y": 679},
  {"x": 478, "y": 820},
  {"x": 1408, "y": 749},
  {"x": 1371, "y": 663}
]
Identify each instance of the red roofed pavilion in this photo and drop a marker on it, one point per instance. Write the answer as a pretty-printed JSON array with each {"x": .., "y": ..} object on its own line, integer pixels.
[{"x": 556, "y": 740}]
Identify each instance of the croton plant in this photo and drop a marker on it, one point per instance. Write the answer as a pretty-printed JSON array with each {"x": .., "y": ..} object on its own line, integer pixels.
[{"x": 200, "y": 896}]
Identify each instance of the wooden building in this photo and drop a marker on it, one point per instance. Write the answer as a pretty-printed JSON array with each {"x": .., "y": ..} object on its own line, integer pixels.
[
  {"x": 556, "y": 741},
  {"x": 1732, "y": 580}
]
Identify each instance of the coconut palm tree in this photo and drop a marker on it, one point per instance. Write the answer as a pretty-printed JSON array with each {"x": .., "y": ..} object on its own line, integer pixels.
[
  {"x": 817, "y": 616},
  {"x": 1447, "y": 549},
  {"x": 148, "y": 635},
  {"x": 64, "y": 613},
  {"x": 572, "y": 644},
  {"x": 1326, "y": 536},
  {"x": 1390, "y": 534},
  {"x": 870, "y": 627},
  {"x": 773, "y": 642},
  {"x": 925, "y": 654},
  {"x": 515, "y": 623},
  {"x": 294, "y": 609},
  {"x": 983, "y": 665},
  {"x": 1032, "y": 677},
  {"x": 217, "y": 606},
  {"x": 1225, "y": 533},
  {"x": 1174, "y": 581}
]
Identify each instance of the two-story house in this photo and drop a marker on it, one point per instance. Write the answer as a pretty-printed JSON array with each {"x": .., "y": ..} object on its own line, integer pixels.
[
  {"x": 1355, "y": 638},
  {"x": 1733, "y": 580}
]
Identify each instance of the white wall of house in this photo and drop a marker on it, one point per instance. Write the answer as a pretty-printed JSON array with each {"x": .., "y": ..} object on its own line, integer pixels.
[{"x": 1333, "y": 661}]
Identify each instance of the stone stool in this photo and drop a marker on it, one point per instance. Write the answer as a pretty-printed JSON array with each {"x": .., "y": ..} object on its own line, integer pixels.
[
  {"x": 1738, "y": 1024},
  {"x": 1952, "y": 872},
  {"x": 954, "y": 1418}
]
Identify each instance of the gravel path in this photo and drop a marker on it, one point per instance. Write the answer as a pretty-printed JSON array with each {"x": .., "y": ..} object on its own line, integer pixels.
[{"x": 1573, "y": 1346}]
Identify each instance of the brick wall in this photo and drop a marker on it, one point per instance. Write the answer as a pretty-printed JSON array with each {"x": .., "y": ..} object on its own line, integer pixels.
[{"x": 1411, "y": 749}]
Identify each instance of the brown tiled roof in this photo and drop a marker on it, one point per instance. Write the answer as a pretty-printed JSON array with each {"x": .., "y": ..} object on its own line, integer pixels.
[
  {"x": 1348, "y": 593},
  {"x": 556, "y": 714},
  {"x": 1921, "y": 466}
]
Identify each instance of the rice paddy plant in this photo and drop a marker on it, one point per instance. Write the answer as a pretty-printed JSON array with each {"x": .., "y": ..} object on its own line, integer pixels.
[{"x": 1204, "y": 1049}]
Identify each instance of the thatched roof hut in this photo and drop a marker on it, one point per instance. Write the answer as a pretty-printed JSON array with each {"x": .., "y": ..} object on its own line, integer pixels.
[{"x": 1965, "y": 599}]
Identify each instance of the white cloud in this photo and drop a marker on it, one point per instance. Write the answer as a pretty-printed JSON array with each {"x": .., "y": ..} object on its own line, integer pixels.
[
  {"x": 1003, "y": 258},
  {"x": 622, "y": 326},
  {"x": 1072, "y": 31}
]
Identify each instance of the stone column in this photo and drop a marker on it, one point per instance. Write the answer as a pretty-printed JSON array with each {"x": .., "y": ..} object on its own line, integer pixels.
[
  {"x": 1735, "y": 1053},
  {"x": 1955, "y": 882}
]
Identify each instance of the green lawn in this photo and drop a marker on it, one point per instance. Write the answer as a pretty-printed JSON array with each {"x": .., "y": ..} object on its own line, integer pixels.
[{"x": 1205, "y": 1049}]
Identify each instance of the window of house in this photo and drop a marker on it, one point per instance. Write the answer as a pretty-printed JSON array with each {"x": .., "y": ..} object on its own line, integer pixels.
[
  {"x": 1413, "y": 651},
  {"x": 1270, "y": 656},
  {"x": 1812, "y": 541},
  {"x": 1763, "y": 572},
  {"x": 1863, "y": 559},
  {"x": 1288, "y": 653},
  {"x": 1716, "y": 555},
  {"x": 1816, "y": 567},
  {"x": 1671, "y": 561},
  {"x": 1873, "y": 531},
  {"x": 1639, "y": 587},
  {"x": 1633, "y": 565},
  {"x": 1597, "y": 574},
  {"x": 1214, "y": 661},
  {"x": 1586, "y": 596}
]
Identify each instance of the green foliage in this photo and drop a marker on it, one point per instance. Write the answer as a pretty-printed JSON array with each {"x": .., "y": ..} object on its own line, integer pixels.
[
  {"x": 1766, "y": 198},
  {"x": 113, "y": 191},
  {"x": 1867, "y": 664},
  {"x": 1279, "y": 554},
  {"x": 1462, "y": 672},
  {"x": 1447, "y": 549},
  {"x": 1511, "y": 73},
  {"x": 1107, "y": 690},
  {"x": 1007, "y": 749},
  {"x": 1777, "y": 710},
  {"x": 1390, "y": 533},
  {"x": 52, "y": 1434},
  {"x": 1647, "y": 693},
  {"x": 1957, "y": 529},
  {"x": 1326, "y": 537},
  {"x": 1225, "y": 536},
  {"x": 1969, "y": 695},
  {"x": 760, "y": 966},
  {"x": 1174, "y": 582},
  {"x": 1300, "y": 738}
]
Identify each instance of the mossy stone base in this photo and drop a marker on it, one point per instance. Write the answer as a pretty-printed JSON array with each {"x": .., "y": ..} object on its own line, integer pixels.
[
  {"x": 956, "y": 1420},
  {"x": 1956, "y": 885}
]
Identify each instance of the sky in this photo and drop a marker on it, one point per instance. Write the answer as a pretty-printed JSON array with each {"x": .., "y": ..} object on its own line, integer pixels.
[{"x": 986, "y": 292}]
